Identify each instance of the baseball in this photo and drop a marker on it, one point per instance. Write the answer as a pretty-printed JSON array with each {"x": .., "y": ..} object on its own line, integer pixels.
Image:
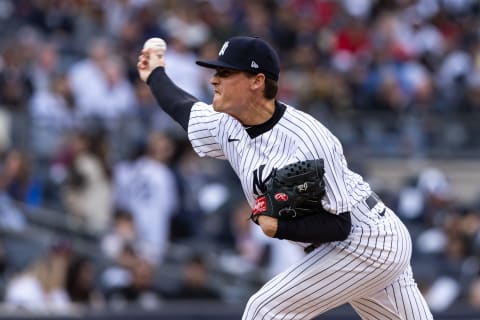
[{"x": 158, "y": 45}]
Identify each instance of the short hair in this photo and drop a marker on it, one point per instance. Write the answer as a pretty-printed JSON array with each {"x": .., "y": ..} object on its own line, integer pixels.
[{"x": 271, "y": 86}]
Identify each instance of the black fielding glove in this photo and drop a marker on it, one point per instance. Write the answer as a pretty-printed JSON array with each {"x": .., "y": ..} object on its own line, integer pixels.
[{"x": 292, "y": 192}]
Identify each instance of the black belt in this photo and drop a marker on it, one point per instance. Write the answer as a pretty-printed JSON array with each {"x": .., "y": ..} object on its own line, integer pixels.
[
  {"x": 372, "y": 200},
  {"x": 312, "y": 247}
]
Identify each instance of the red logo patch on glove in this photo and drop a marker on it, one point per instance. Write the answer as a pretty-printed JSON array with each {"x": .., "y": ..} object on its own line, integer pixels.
[
  {"x": 281, "y": 196},
  {"x": 260, "y": 205}
]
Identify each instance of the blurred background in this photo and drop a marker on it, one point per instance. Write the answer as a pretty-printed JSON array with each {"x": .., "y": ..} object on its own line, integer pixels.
[{"x": 105, "y": 211}]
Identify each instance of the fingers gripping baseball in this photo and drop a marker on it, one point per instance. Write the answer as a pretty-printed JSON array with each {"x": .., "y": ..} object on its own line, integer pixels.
[{"x": 151, "y": 57}]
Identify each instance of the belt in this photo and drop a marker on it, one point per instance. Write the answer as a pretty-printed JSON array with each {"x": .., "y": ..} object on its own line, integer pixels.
[
  {"x": 312, "y": 247},
  {"x": 372, "y": 200}
]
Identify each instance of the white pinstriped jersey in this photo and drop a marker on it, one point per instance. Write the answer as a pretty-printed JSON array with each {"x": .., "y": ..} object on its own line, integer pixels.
[
  {"x": 369, "y": 270},
  {"x": 296, "y": 136}
]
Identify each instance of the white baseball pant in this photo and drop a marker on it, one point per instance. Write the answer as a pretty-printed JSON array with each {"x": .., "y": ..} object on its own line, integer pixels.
[{"x": 370, "y": 270}]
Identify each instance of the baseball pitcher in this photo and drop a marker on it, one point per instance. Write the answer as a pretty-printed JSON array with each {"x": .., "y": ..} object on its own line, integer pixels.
[{"x": 297, "y": 181}]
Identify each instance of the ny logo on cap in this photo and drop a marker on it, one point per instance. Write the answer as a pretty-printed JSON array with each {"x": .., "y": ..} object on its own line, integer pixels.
[
  {"x": 254, "y": 65},
  {"x": 224, "y": 47}
]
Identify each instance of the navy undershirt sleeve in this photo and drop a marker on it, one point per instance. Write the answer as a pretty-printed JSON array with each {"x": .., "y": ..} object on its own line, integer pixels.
[
  {"x": 171, "y": 98},
  {"x": 317, "y": 228}
]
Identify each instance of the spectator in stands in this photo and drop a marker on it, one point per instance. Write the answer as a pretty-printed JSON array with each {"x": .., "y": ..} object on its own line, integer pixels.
[
  {"x": 15, "y": 83},
  {"x": 87, "y": 192},
  {"x": 136, "y": 287},
  {"x": 203, "y": 191},
  {"x": 18, "y": 180},
  {"x": 45, "y": 66},
  {"x": 99, "y": 84},
  {"x": 249, "y": 245},
  {"x": 473, "y": 294},
  {"x": 459, "y": 248},
  {"x": 353, "y": 38},
  {"x": 182, "y": 57},
  {"x": 256, "y": 20},
  {"x": 52, "y": 112},
  {"x": 195, "y": 284},
  {"x": 80, "y": 283},
  {"x": 472, "y": 97},
  {"x": 252, "y": 251},
  {"x": 452, "y": 73},
  {"x": 149, "y": 115},
  {"x": 149, "y": 191},
  {"x": 121, "y": 235},
  {"x": 41, "y": 286},
  {"x": 120, "y": 246},
  {"x": 188, "y": 223}
]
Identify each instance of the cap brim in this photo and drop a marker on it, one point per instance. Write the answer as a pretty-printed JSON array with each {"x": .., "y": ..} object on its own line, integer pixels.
[{"x": 213, "y": 64}]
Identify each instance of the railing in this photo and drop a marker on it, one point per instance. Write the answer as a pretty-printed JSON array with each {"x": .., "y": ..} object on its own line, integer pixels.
[
  {"x": 371, "y": 133},
  {"x": 384, "y": 134}
]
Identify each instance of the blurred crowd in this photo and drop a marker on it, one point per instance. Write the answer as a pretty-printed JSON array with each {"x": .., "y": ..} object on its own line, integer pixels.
[{"x": 81, "y": 136}]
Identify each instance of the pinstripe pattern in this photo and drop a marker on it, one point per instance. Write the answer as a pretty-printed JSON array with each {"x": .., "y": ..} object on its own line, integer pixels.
[
  {"x": 369, "y": 270},
  {"x": 297, "y": 136},
  {"x": 402, "y": 297}
]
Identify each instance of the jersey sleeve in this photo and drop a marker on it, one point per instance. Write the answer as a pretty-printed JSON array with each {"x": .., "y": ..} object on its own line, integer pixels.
[
  {"x": 337, "y": 200},
  {"x": 319, "y": 142},
  {"x": 203, "y": 131}
]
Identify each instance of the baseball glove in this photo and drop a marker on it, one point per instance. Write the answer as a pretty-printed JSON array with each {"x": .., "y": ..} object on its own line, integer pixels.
[{"x": 293, "y": 191}]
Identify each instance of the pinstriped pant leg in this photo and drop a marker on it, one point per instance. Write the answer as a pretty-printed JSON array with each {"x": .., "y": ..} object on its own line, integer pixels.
[
  {"x": 323, "y": 280},
  {"x": 379, "y": 306},
  {"x": 400, "y": 300},
  {"x": 295, "y": 293},
  {"x": 408, "y": 298},
  {"x": 370, "y": 260}
]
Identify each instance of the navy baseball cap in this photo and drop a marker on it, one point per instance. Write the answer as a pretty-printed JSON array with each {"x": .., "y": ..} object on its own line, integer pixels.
[{"x": 246, "y": 54}]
